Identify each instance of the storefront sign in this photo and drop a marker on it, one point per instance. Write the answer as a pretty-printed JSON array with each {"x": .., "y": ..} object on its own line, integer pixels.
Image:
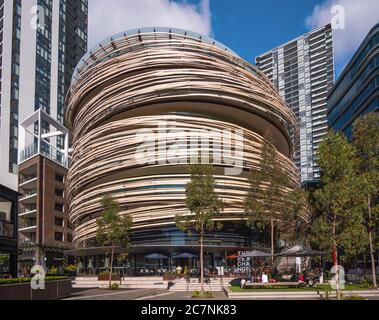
[{"x": 243, "y": 263}]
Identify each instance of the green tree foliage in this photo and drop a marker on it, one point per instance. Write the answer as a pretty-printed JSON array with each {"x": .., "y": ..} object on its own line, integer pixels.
[
  {"x": 113, "y": 230},
  {"x": 366, "y": 141},
  {"x": 339, "y": 224},
  {"x": 204, "y": 204},
  {"x": 272, "y": 200}
]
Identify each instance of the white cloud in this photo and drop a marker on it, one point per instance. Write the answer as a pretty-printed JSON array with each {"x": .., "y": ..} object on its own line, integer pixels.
[
  {"x": 108, "y": 17},
  {"x": 360, "y": 17}
]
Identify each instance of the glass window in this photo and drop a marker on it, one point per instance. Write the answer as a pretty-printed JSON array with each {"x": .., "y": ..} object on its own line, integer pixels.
[
  {"x": 59, "y": 192},
  {"x": 59, "y": 178},
  {"x": 59, "y": 207},
  {"x": 4, "y": 264},
  {"x": 5, "y": 209},
  {"x": 59, "y": 222},
  {"x": 58, "y": 236}
]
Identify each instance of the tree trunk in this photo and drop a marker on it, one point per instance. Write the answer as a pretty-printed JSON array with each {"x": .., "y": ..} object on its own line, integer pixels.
[
  {"x": 372, "y": 257},
  {"x": 335, "y": 262},
  {"x": 335, "y": 256},
  {"x": 202, "y": 258},
  {"x": 272, "y": 243},
  {"x": 110, "y": 274}
]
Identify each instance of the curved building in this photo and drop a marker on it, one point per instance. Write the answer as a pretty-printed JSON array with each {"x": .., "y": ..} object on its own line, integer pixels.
[
  {"x": 357, "y": 90},
  {"x": 139, "y": 105}
]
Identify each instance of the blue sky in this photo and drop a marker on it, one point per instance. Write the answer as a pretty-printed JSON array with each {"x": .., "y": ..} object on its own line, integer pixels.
[{"x": 249, "y": 27}]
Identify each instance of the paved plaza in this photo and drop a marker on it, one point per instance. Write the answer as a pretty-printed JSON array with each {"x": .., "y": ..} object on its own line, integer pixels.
[
  {"x": 135, "y": 294},
  {"x": 152, "y": 294}
]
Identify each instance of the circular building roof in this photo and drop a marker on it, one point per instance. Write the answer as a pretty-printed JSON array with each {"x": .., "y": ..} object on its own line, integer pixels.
[{"x": 88, "y": 58}]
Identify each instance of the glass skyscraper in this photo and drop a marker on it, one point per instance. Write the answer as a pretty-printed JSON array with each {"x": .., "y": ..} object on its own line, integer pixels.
[
  {"x": 41, "y": 43},
  {"x": 303, "y": 72},
  {"x": 357, "y": 90}
]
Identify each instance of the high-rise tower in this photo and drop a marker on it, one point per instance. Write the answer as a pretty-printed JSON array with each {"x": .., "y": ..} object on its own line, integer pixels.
[
  {"x": 41, "y": 43},
  {"x": 303, "y": 72}
]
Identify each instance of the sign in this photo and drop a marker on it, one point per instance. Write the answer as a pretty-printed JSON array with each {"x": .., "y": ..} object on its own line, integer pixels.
[
  {"x": 243, "y": 263},
  {"x": 220, "y": 271}
]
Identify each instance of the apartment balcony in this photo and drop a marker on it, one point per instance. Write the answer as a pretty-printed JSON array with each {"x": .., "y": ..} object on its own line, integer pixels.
[
  {"x": 26, "y": 241},
  {"x": 321, "y": 99},
  {"x": 318, "y": 64},
  {"x": 28, "y": 227},
  {"x": 319, "y": 133},
  {"x": 27, "y": 213},
  {"x": 320, "y": 77},
  {"x": 318, "y": 54},
  {"x": 28, "y": 182},
  {"x": 319, "y": 43},
  {"x": 45, "y": 150},
  {"x": 29, "y": 197}
]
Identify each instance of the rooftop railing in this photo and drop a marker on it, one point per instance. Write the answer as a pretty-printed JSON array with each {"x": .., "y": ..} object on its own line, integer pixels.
[{"x": 46, "y": 150}]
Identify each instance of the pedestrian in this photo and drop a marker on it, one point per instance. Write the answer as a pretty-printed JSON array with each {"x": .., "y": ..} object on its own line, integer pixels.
[{"x": 179, "y": 270}]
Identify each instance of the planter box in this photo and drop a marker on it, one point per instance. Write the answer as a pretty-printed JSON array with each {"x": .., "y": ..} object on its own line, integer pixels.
[
  {"x": 54, "y": 290},
  {"x": 105, "y": 277}
]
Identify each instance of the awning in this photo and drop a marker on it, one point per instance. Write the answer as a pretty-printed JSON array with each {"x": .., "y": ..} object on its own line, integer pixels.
[
  {"x": 84, "y": 252},
  {"x": 302, "y": 253},
  {"x": 26, "y": 257},
  {"x": 31, "y": 248},
  {"x": 255, "y": 253},
  {"x": 185, "y": 255},
  {"x": 156, "y": 256}
]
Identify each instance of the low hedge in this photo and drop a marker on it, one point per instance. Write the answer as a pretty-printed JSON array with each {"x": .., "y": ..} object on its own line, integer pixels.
[
  {"x": 26, "y": 280},
  {"x": 104, "y": 276},
  {"x": 202, "y": 295}
]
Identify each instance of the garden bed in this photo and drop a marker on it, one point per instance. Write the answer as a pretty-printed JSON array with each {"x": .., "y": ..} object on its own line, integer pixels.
[
  {"x": 27, "y": 280},
  {"x": 323, "y": 287},
  {"x": 20, "y": 289}
]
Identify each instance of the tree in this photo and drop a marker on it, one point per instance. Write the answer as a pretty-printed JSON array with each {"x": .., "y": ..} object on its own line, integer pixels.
[
  {"x": 113, "y": 229},
  {"x": 339, "y": 222},
  {"x": 271, "y": 199},
  {"x": 204, "y": 204},
  {"x": 366, "y": 141}
]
